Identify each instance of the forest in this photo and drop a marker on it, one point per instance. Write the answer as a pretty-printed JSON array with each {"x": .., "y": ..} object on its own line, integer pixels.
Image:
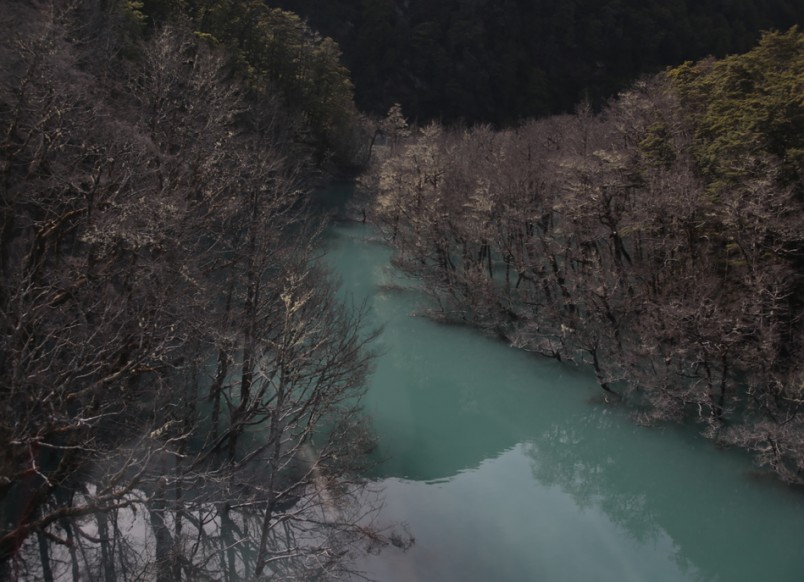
[
  {"x": 180, "y": 386},
  {"x": 181, "y": 382},
  {"x": 504, "y": 61},
  {"x": 659, "y": 241}
]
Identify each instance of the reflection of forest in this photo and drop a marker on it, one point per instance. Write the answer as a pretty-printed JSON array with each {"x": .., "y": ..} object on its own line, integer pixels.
[{"x": 650, "y": 483}]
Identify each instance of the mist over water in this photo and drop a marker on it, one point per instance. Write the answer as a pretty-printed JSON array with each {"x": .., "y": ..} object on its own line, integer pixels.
[{"x": 505, "y": 466}]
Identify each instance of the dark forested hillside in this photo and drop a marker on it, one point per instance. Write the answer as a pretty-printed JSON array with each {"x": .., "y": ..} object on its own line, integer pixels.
[{"x": 505, "y": 60}]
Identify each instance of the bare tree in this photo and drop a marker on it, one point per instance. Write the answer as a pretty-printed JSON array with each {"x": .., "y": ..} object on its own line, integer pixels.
[
  {"x": 599, "y": 238},
  {"x": 180, "y": 386}
]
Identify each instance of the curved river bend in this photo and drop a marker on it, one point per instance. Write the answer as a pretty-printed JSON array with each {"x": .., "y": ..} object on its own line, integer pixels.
[{"x": 508, "y": 467}]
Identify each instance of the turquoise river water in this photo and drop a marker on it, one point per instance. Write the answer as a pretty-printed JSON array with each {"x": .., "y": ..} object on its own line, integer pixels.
[{"x": 505, "y": 466}]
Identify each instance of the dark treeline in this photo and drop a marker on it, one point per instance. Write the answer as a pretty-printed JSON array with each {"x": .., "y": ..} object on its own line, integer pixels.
[
  {"x": 502, "y": 61},
  {"x": 661, "y": 241},
  {"x": 274, "y": 51},
  {"x": 178, "y": 384}
]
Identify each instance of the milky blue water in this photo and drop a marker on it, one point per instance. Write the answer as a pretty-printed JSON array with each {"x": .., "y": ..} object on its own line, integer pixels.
[{"x": 505, "y": 466}]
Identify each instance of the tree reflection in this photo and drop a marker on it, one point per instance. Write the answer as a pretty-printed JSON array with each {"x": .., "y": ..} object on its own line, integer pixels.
[{"x": 671, "y": 493}]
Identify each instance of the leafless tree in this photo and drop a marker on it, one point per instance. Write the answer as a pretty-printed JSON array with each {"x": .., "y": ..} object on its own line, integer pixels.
[
  {"x": 597, "y": 238},
  {"x": 181, "y": 386}
]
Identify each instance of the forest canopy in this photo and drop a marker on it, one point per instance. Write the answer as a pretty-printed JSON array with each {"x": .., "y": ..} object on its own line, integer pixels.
[
  {"x": 276, "y": 54},
  {"x": 503, "y": 61}
]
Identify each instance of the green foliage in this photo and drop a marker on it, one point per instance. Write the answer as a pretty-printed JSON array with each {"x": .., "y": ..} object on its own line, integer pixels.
[
  {"x": 748, "y": 109},
  {"x": 275, "y": 54},
  {"x": 133, "y": 10},
  {"x": 656, "y": 145}
]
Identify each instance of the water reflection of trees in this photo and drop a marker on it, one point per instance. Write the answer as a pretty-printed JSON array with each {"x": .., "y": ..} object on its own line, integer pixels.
[
  {"x": 209, "y": 536},
  {"x": 563, "y": 459},
  {"x": 588, "y": 457}
]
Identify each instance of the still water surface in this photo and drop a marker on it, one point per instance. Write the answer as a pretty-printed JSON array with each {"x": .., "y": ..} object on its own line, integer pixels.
[{"x": 509, "y": 467}]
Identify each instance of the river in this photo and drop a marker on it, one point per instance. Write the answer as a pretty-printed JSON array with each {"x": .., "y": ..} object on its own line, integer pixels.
[{"x": 505, "y": 466}]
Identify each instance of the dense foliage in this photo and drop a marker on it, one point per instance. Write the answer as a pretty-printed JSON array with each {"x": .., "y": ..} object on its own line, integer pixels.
[
  {"x": 276, "y": 54},
  {"x": 178, "y": 384},
  {"x": 660, "y": 241},
  {"x": 503, "y": 61}
]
